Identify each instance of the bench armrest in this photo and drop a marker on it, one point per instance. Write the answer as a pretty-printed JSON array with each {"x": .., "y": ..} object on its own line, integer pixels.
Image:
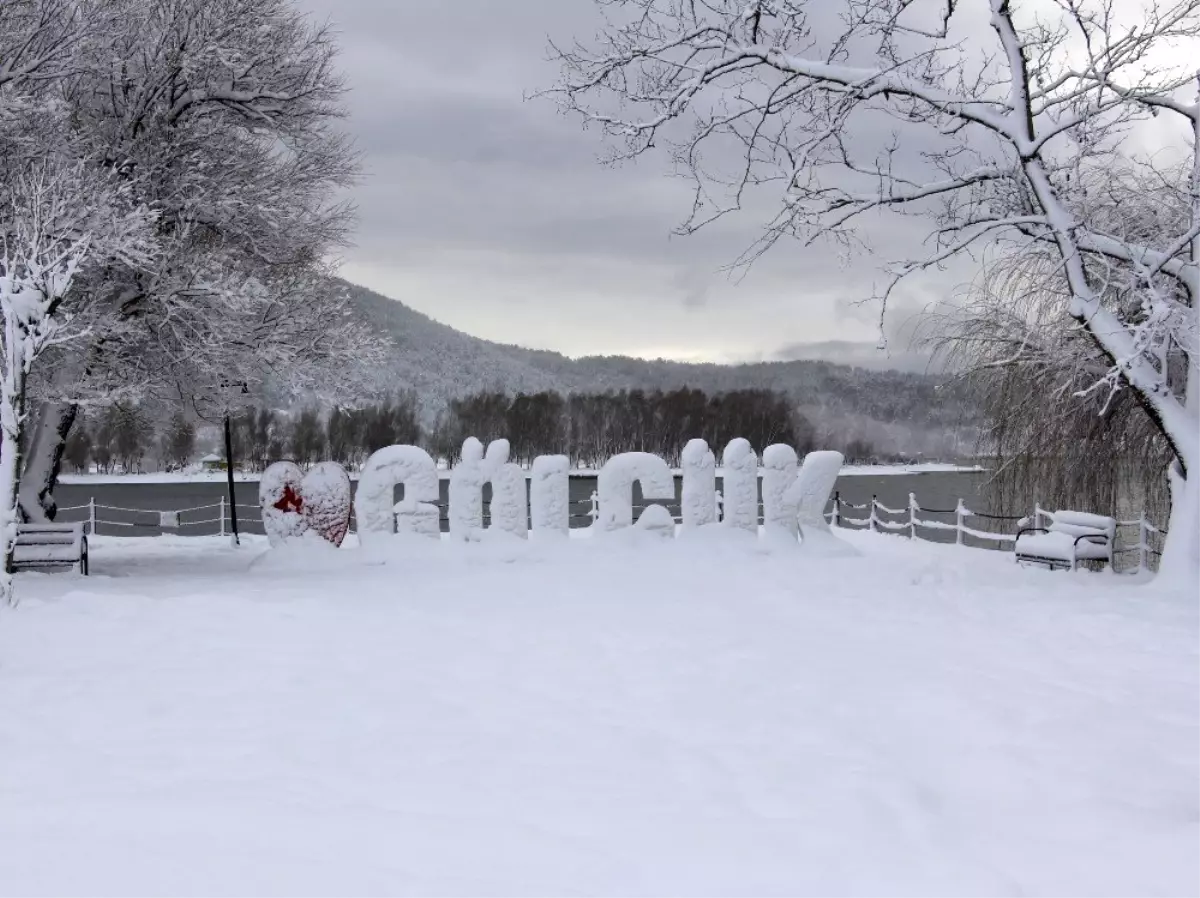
[{"x": 1030, "y": 530}]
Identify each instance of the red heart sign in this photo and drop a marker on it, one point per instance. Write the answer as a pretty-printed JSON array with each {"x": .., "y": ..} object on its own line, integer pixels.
[{"x": 294, "y": 502}]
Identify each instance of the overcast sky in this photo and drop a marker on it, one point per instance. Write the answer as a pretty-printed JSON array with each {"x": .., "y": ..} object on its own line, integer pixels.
[{"x": 491, "y": 213}]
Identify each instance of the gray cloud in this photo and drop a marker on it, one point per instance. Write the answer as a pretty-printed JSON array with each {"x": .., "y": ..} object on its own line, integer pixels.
[{"x": 490, "y": 212}]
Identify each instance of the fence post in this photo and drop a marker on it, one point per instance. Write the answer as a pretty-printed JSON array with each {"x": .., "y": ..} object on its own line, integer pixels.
[
  {"x": 871, "y": 518},
  {"x": 594, "y": 498},
  {"x": 912, "y": 515},
  {"x": 958, "y": 522},
  {"x": 837, "y": 501},
  {"x": 92, "y": 515},
  {"x": 222, "y": 516},
  {"x": 1143, "y": 545}
]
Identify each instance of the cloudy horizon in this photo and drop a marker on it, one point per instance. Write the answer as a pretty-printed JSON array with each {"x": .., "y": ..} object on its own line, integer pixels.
[{"x": 491, "y": 213}]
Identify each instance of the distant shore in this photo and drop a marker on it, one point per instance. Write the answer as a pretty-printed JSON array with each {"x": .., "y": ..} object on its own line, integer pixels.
[{"x": 252, "y": 477}]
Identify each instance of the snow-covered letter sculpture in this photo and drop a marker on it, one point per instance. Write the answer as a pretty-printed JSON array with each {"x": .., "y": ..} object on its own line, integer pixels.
[
  {"x": 294, "y": 503},
  {"x": 279, "y": 497},
  {"x": 809, "y": 494},
  {"x": 698, "y": 505},
  {"x": 549, "y": 494},
  {"x": 740, "y": 486},
  {"x": 325, "y": 490},
  {"x": 779, "y": 473},
  {"x": 510, "y": 503},
  {"x": 510, "y": 510},
  {"x": 378, "y": 517},
  {"x": 466, "y": 492},
  {"x": 615, "y": 482}
]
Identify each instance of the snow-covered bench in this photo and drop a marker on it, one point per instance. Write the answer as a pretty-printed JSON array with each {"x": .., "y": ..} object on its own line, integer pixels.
[
  {"x": 1072, "y": 536},
  {"x": 51, "y": 546}
]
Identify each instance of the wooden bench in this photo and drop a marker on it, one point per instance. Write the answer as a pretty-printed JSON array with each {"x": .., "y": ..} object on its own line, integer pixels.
[
  {"x": 1072, "y": 537},
  {"x": 51, "y": 546}
]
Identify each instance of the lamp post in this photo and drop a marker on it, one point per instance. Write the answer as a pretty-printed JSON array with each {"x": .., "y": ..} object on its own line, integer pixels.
[
  {"x": 229, "y": 474},
  {"x": 233, "y": 523}
]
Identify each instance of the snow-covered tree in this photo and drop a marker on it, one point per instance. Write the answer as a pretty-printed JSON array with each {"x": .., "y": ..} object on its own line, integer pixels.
[
  {"x": 56, "y": 218},
  {"x": 178, "y": 441},
  {"x": 988, "y": 118},
  {"x": 222, "y": 117}
]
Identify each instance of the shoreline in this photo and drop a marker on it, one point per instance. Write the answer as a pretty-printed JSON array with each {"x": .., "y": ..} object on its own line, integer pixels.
[{"x": 444, "y": 474}]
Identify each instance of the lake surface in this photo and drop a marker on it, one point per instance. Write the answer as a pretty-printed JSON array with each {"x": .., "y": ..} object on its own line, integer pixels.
[{"x": 132, "y": 509}]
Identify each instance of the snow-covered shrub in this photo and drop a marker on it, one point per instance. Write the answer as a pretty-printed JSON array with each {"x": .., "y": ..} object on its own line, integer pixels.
[
  {"x": 409, "y": 465},
  {"x": 740, "y": 486},
  {"x": 614, "y": 484},
  {"x": 698, "y": 505},
  {"x": 549, "y": 494}
]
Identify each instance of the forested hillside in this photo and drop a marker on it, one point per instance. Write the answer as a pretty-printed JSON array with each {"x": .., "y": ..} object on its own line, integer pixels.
[{"x": 895, "y": 411}]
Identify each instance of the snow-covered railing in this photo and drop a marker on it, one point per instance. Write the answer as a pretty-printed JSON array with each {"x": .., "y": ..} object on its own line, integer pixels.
[
  {"x": 875, "y": 516},
  {"x": 96, "y": 515},
  {"x": 912, "y": 520}
]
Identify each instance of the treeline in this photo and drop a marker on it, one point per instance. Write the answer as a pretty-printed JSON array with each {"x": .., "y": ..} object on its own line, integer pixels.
[
  {"x": 124, "y": 437},
  {"x": 344, "y": 435},
  {"x": 592, "y": 427},
  {"x": 587, "y": 427}
]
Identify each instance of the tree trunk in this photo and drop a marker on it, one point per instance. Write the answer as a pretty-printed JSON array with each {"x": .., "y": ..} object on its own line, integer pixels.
[
  {"x": 43, "y": 463},
  {"x": 12, "y": 403},
  {"x": 1180, "y": 564}
]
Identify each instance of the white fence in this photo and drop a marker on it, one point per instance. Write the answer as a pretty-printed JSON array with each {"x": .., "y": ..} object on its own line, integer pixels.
[
  {"x": 167, "y": 519},
  {"x": 909, "y": 521}
]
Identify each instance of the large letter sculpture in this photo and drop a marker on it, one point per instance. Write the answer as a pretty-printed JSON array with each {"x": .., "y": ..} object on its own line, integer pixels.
[
  {"x": 294, "y": 503},
  {"x": 378, "y": 516},
  {"x": 510, "y": 509},
  {"x": 466, "y": 492},
  {"x": 614, "y": 484},
  {"x": 740, "y": 486},
  {"x": 698, "y": 504},
  {"x": 809, "y": 494},
  {"x": 779, "y": 473},
  {"x": 510, "y": 501},
  {"x": 549, "y": 494}
]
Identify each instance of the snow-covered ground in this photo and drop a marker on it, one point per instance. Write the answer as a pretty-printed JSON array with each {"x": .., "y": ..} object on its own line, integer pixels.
[
  {"x": 244, "y": 477},
  {"x": 595, "y": 716}
]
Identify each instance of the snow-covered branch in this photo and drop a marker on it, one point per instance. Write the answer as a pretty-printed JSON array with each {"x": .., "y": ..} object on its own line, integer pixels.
[{"x": 1007, "y": 137}]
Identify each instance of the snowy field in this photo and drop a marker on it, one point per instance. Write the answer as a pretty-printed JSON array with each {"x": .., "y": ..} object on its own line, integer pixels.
[{"x": 595, "y": 717}]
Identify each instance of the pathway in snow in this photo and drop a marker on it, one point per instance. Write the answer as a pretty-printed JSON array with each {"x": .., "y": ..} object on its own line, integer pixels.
[{"x": 595, "y": 717}]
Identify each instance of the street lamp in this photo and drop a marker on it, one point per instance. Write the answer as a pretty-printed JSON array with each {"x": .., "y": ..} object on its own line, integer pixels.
[{"x": 245, "y": 389}]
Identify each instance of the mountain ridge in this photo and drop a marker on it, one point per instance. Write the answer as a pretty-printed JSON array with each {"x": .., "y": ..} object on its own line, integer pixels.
[{"x": 897, "y": 410}]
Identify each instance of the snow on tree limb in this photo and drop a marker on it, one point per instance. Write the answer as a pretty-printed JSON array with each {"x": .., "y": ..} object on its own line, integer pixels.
[{"x": 1012, "y": 128}]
